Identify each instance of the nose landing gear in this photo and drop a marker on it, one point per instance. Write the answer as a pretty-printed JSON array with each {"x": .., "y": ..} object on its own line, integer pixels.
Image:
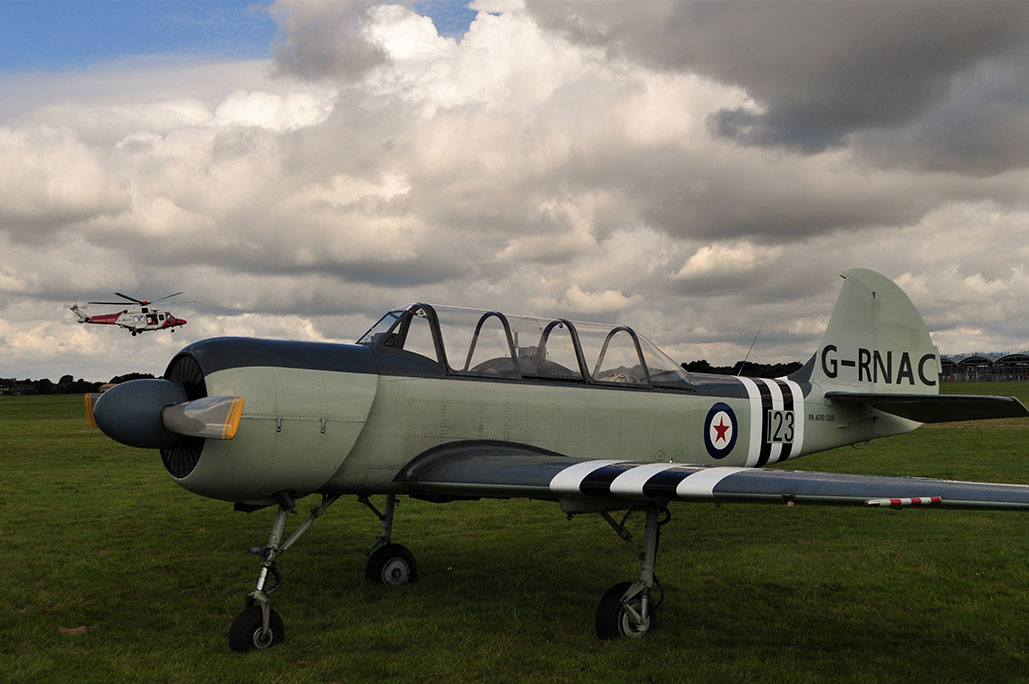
[
  {"x": 248, "y": 630},
  {"x": 259, "y": 626}
]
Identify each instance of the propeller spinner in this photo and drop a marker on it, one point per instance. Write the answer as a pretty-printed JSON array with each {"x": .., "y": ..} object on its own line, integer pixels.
[{"x": 155, "y": 414}]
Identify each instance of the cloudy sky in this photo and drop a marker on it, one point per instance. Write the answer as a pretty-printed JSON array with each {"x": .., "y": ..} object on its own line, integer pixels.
[{"x": 688, "y": 168}]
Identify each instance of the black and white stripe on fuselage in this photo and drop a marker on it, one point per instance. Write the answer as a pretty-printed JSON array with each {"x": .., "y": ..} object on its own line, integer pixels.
[
  {"x": 777, "y": 420},
  {"x": 776, "y": 434}
]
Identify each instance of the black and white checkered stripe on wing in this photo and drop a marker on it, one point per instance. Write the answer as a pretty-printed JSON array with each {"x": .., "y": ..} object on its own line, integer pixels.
[
  {"x": 628, "y": 480},
  {"x": 569, "y": 481},
  {"x": 669, "y": 481}
]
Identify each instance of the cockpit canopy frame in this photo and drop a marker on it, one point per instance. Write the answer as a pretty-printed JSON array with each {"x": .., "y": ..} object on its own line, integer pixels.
[{"x": 488, "y": 343}]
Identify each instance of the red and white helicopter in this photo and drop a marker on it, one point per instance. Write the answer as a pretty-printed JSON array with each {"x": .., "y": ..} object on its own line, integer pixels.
[{"x": 140, "y": 318}]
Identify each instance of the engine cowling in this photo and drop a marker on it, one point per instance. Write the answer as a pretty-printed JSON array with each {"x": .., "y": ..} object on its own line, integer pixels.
[{"x": 242, "y": 419}]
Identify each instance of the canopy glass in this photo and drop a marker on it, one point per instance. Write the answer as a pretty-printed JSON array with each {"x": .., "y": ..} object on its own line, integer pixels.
[{"x": 490, "y": 343}]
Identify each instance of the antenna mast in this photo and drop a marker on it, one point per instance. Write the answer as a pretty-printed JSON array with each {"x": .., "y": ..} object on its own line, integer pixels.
[{"x": 743, "y": 363}]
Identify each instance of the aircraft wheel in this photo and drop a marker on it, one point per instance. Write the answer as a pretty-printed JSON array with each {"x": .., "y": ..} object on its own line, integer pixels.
[
  {"x": 245, "y": 634},
  {"x": 392, "y": 565},
  {"x": 614, "y": 621}
]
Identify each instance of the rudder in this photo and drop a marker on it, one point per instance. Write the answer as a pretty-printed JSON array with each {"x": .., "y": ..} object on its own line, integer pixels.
[{"x": 876, "y": 341}]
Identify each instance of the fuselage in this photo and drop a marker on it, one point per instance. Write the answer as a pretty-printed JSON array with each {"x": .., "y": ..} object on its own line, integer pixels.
[{"x": 347, "y": 418}]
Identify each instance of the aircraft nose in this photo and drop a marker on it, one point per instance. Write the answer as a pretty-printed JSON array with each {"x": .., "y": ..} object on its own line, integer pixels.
[{"x": 130, "y": 413}]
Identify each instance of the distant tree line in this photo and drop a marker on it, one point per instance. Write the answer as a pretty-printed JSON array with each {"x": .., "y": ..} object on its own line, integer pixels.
[
  {"x": 66, "y": 385},
  {"x": 749, "y": 369}
]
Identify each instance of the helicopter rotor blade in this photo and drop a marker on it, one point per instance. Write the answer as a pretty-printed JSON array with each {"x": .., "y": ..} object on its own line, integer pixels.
[
  {"x": 133, "y": 299},
  {"x": 142, "y": 302},
  {"x": 167, "y": 297}
]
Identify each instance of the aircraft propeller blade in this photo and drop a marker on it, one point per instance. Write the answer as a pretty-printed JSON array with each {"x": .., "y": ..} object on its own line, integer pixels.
[
  {"x": 91, "y": 399},
  {"x": 208, "y": 417},
  {"x": 174, "y": 294}
]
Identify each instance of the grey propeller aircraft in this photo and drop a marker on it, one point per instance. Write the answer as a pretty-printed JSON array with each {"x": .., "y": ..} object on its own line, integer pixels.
[{"x": 442, "y": 403}]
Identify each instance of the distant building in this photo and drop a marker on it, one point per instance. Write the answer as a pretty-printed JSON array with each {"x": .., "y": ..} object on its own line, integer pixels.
[{"x": 979, "y": 367}]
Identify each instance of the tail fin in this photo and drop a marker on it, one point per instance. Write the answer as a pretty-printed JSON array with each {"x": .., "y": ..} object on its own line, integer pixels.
[
  {"x": 77, "y": 310},
  {"x": 876, "y": 352},
  {"x": 876, "y": 341}
]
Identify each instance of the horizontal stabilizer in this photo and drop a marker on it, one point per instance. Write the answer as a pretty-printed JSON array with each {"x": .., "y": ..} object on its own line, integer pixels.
[{"x": 936, "y": 408}]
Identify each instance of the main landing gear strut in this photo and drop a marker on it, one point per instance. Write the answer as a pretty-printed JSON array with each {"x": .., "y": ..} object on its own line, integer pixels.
[
  {"x": 629, "y": 609},
  {"x": 391, "y": 564},
  {"x": 259, "y": 626}
]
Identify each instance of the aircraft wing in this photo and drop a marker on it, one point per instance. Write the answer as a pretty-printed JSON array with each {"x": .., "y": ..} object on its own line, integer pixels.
[
  {"x": 936, "y": 408},
  {"x": 501, "y": 470}
]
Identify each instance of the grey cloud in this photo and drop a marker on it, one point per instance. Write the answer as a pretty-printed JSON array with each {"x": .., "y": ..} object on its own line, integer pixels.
[
  {"x": 817, "y": 71},
  {"x": 980, "y": 128},
  {"x": 324, "y": 39},
  {"x": 701, "y": 195},
  {"x": 767, "y": 283}
]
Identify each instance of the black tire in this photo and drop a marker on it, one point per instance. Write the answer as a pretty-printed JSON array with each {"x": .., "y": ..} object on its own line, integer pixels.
[
  {"x": 614, "y": 621},
  {"x": 245, "y": 632},
  {"x": 391, "y": 565}
]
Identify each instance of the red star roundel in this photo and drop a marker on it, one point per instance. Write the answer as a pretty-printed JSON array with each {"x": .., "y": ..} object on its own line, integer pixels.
[{"x": 720, "y": 428}]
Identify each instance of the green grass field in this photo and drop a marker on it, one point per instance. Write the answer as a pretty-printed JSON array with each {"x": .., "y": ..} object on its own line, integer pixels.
[{"x": 110, "y": 572}]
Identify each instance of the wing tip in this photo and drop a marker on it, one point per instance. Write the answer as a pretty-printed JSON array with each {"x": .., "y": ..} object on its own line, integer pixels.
[{"x": 902, "y": 502}]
